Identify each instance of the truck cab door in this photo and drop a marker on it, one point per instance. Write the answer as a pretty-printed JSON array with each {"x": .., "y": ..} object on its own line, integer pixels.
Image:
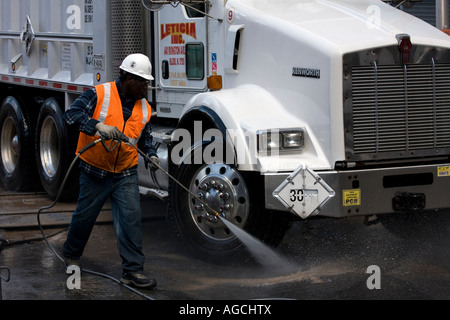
[{"x": 182, "y": 58}]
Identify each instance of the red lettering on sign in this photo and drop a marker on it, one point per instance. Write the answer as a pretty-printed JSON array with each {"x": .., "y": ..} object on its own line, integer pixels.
[{"x": 178, "y": 29}]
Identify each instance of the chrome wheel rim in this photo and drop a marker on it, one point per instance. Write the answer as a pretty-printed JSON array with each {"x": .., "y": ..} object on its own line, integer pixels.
[
  {"x": 224, "y": 191},
  {"x": 49, "y": 150},
  {"x": 10, "y": 145}
]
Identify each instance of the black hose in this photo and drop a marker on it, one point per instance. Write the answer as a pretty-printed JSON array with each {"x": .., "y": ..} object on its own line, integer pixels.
[{"x": 92, "y": 144}]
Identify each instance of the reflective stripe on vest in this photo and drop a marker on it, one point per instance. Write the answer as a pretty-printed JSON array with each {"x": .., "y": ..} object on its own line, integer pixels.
[
  {"x": 105, "y": 105},
  {"x": 145, "y": 116}
]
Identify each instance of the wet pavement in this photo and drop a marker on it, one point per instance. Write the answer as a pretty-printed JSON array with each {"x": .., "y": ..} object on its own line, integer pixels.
[{"x": 328, "y": 260}]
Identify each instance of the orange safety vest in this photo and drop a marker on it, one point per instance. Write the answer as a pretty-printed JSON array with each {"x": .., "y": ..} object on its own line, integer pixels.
[{"x": 109, "y": 112}]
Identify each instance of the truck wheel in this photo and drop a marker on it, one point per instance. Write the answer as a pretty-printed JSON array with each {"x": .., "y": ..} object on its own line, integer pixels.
[
  {"x": 53, "y": 151},
  {"x": 225, "y": 191},
  {"x": 17, "y": 172},
  {"x": 236, "y": 197}
]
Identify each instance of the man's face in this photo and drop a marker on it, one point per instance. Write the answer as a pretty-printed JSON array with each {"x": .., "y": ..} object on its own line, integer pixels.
[{"x": 135, "y": 87}]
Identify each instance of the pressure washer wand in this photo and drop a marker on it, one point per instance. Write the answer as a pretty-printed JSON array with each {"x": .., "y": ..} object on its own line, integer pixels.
[{"x": 174, "y": 179}]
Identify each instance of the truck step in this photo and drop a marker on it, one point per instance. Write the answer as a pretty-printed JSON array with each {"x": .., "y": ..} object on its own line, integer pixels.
[{"x": 148, "y": 192}]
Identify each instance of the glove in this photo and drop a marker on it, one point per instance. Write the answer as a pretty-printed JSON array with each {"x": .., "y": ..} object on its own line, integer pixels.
[
  {"x": 154, "y": 163},
  {"x": 110, "y": 133}
]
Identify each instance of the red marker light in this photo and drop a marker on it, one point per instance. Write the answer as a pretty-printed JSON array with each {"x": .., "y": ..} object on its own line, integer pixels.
[{"x": 405, "y": 46}]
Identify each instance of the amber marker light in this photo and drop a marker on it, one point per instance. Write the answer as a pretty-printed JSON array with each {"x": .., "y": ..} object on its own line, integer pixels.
[{"x": 215, "y": 83}]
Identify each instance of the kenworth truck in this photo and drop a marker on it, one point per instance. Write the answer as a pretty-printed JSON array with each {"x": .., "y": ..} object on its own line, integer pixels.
[{"x": 262, "y": 110}]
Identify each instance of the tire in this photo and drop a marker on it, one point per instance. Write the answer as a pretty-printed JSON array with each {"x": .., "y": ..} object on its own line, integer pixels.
[
  {"x": 236, "y": 197},
  {"x": 55, "y": 152},
  {"x": 17, "y": 170}
]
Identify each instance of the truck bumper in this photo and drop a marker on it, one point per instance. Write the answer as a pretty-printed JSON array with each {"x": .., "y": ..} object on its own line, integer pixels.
[{"x": 375, "y": 191}]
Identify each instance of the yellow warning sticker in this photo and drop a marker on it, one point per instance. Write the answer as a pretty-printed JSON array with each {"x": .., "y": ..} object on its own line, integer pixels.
[
  {"x": 351, "y": 197},
  {"x": 443, "y": 171}
]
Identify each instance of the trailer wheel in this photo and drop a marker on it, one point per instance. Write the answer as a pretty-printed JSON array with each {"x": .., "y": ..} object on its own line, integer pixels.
[
  {"x": 54, "y": 151},
  {"x": 236, "y": 197},
  {"x": 17, "y": 171}
]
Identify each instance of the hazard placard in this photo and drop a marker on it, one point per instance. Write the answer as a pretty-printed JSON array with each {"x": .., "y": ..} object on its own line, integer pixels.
[
  {"x": 304, "y": 192},
  {"x": 351, "y": 197}
]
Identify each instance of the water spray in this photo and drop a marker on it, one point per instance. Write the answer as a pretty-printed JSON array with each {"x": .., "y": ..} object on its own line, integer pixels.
[{"x": 261, "y": 252}]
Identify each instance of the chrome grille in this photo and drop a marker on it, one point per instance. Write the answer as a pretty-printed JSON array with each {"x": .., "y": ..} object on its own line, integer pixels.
[{"x": 399, "y": 111}]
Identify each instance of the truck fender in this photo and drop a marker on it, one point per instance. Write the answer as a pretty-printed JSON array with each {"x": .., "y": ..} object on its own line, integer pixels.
[
  {"x": 223, "y": 111},
  {"x": 239, "y": 113}
]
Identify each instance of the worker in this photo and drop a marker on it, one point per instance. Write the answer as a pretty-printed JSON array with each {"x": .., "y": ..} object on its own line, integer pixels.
[{"x": 109, "y": 170}]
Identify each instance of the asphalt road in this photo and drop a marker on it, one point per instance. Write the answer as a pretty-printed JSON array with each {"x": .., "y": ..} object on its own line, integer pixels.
[{"x": 326, "y": 259}]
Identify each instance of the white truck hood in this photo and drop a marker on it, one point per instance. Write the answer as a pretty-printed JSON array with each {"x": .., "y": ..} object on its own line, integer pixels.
[{"x": 348, "y": 24}]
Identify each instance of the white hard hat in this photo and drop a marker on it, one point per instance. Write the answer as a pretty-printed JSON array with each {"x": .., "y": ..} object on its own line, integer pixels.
[{"x": 139, "y": 65}]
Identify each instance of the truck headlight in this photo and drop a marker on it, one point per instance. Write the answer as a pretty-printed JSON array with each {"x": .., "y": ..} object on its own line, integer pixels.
[{"x": 275, "y": 140}]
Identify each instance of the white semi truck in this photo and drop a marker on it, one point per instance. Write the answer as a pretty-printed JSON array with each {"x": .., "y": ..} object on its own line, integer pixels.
[{"x": 263, "y": 110}]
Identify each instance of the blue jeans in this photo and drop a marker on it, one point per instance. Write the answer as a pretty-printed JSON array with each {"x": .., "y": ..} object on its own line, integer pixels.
[{"x": 126, "y": 211}]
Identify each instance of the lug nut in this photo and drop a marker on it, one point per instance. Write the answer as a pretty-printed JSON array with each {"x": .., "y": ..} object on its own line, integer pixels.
[
  {"x": 212, "y": 219},
  {"x": 225, "y": 196}
]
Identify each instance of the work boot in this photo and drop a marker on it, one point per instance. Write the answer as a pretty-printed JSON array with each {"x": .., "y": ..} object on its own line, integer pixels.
[
  {"x": 138, "y": 280},
  {"x": 72, "y": 262}
]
